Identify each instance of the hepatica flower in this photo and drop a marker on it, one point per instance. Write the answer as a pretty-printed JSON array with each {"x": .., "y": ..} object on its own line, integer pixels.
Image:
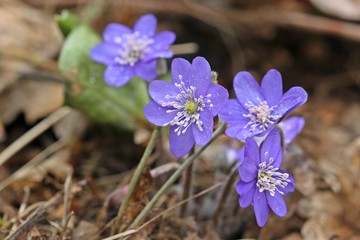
[
  {"x": 129, "y": 52},
  {"x": 290, "y": 128},
  {"x": 188, "y": 104},
  {"x": 258, "y": 109},
  {"x": 261, "y": 181}
]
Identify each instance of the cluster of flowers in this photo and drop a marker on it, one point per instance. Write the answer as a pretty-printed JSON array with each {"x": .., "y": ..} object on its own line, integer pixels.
[{"x": 190, "y": 102}]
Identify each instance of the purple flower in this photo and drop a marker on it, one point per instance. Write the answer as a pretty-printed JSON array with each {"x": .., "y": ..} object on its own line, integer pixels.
[
  {"x": 261, "y": 181},
  {"x": 128, "y": 52},
  {"x": 258, "y": 109},
  {"x": 290, "y": 128},
  {"x": 188, "y": 104}
]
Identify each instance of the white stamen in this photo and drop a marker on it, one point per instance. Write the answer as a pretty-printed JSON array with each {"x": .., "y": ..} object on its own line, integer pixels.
[
  {"x": 260, "y": 115},
  {"x": 269, "y": 179},
  {"x": 133, "y": 48},
  {"x": 185, "y": 117}
]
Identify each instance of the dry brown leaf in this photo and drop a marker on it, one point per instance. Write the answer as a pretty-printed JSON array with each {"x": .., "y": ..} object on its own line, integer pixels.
[
  {"x": 320, "y": 203},
  {"x": 57, "y": 165},
  {"x": 85, "y": 230},
  {"x": 211, "y": 233},
  {"x": 303, "y": 169},
  {"x": 325, "y": 226},
  {"x": 292, "y": 236},
  {"x": 28, "y": 30},
  {"x": 138, "y": 200},
  {"x": 72, "y": 126},
  {"x": 36, "y": 99},
  {"x": 178, "y": 228},
  {"x": 28, "y": 37}
]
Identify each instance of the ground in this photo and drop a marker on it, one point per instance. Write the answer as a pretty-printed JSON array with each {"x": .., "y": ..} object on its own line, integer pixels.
[{"x": 63, "y": 175}]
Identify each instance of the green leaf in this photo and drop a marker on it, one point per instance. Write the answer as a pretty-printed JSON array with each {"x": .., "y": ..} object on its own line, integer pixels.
[{"x": 88, "y": 91}]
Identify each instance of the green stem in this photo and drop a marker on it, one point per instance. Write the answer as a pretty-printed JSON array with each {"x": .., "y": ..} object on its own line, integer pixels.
[
  {"x": 136, "y": 177},
  {"x": 187, "y": 189},
  {"x": 174, "y": 177}
]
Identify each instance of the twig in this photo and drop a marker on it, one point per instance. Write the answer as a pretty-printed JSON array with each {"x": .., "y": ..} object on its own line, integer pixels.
[
  {"x": 33, "y": 163},
  {"x": 184, "y": 48},
  {"x": 32, "y": 134},
  {"x": 64, "y": 227},
  {"x": 35, "y": 60},
  {"x": 174, "y": 177},
  {"x": 67, "y": 188},
  {"x": 187, "y": 190},
  {"x": 24, "y": 201},
  {"x": 181, "y": 203},
  {"x": 132, "y": 231},
  {"x": 269, "y": 15},
  {"x": 121, "y": 235},
  {"x": 225, "y": 194},
  {"x": 39, "y": 214},
  {"x": 156, "y": 172},
  {"x": 136, "y": 177}
]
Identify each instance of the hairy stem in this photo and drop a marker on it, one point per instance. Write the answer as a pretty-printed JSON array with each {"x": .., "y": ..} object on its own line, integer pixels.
[
  {"x": 174, "y": 177},
  {"x": 136, "y": 177},
  {"x": 187, "y": 191}
]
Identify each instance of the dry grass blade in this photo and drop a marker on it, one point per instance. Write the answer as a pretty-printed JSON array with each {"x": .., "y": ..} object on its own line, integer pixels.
[
  {"x": 39, "y": 214},
  {"x": 32, "y": 134},
  {"x": 67, "y": 195},
  {"x": 32, "y": 163},
  {"x": 209, "y": 189},
  {"x": 133, "y": 231},
  {"x": 121, "y": 235}
]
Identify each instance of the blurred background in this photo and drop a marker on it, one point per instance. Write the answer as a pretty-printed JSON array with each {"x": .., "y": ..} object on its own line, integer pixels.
[{"x": 313, "y": 43}]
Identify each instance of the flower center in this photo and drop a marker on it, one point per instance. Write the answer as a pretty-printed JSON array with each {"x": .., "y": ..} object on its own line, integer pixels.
[
  {"x": 191, "y": 107},
  {"x": 188, "y": 107},
  {"x": 260, "y": 116},
  {"x": 133, "y": 48},
  {"x": 270, "y": 179}
]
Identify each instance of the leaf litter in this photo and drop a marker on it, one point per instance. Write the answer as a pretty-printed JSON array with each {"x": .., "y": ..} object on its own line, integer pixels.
[{"x": 324, "y": 160}]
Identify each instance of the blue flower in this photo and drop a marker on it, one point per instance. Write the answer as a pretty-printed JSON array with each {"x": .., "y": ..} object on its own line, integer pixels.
[
  {"x": 290, "y": 128},
  {"x": 261, "y": 181},
  {"x": 258, "y": 109},
  {"x": 128, "y": 52},
  {"x": 188, "y": 104}
]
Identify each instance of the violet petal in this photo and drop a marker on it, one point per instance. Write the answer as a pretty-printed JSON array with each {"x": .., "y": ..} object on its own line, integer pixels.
[
  {"x": 247, "y": 89},
  {"x": 277, "y": 203},
  {"x": 118, "y": 76},
  {"x": 261, "y": 208},
  {"x": 199, "y": 76},
  {"x": 146, "y": 25},
  {"x": 293, "y": 98},
  {"x": 271, "y": 148},
  {"x": 246, "y": 191},
  {"x": 146, "y": 70},
  {"x": 248, "y": 170},
  {"x": 114, "y": 31},
  {"x": 204, "y": 136},
  {"x": 160, "y": 91},
  {"x": 271, "y": 86},
  {"x": 104, "y": 53},
  {"x": 219, "y": 97},
  {"x": 179, "y": 66},
  {"x": 180, "y": 144},
  {"x": 157, "y": 115}
]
